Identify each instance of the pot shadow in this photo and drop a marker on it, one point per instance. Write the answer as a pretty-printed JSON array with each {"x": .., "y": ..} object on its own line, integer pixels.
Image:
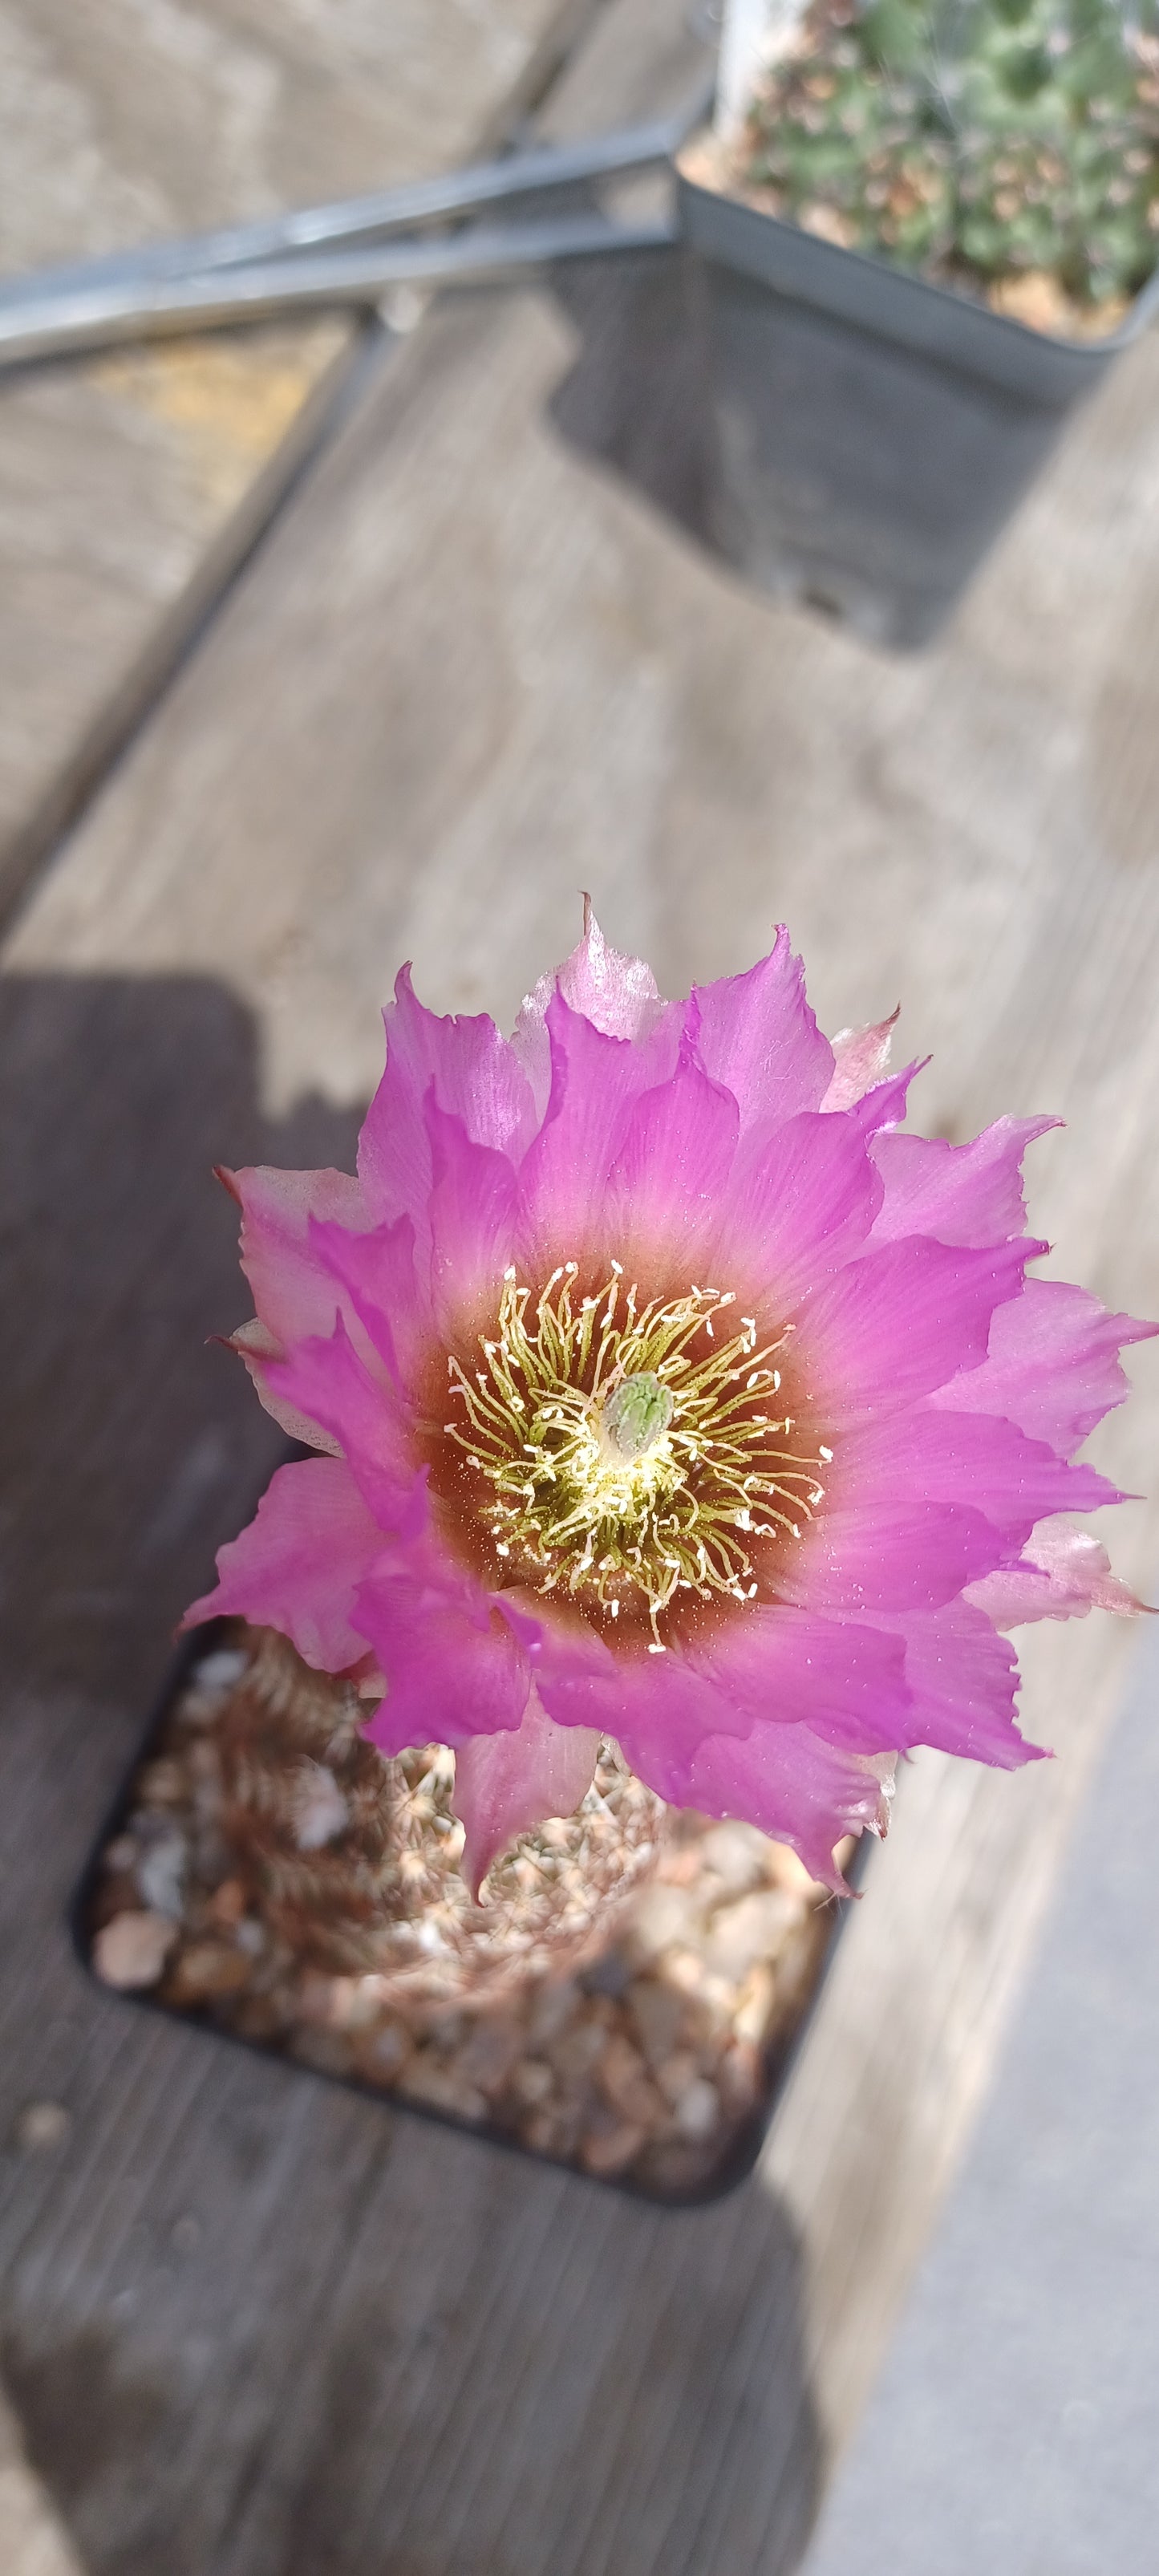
[
  {"x": 255, "y": 2324},
  {"x": 643, "y": 402},
  {"x": 828, "y": 466},
  {"x": 129, "y": 1442},
  {"x": 638, "y": 399}
]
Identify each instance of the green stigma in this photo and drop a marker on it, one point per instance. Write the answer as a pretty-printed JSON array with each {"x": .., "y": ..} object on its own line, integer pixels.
[
  {"x": 626, "y": 1451},
  {"x": 638, "y": 1414}
]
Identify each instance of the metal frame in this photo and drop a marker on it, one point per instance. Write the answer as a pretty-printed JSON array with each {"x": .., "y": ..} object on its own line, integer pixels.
[{"x": 345, "y": 253}]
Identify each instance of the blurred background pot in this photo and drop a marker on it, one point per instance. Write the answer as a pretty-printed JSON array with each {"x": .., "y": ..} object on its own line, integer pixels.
[{"x": 873, "y": 432}]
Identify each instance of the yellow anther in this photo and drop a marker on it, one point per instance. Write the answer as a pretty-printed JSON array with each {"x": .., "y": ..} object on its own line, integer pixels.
[{"x": 621, "y": 1446}]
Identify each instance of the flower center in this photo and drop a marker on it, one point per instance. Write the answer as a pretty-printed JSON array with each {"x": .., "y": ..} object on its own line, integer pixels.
[{"x": 627, "y": 1452}]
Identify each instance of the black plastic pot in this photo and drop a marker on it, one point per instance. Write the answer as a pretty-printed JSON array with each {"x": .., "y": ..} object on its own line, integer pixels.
[
  {"x": 739, "y": 2149},
  {"x": 873, "y": 432}
]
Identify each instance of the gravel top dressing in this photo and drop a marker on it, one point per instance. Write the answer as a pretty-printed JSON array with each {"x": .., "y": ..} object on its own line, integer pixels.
[{"x": 653, "y": 2065}]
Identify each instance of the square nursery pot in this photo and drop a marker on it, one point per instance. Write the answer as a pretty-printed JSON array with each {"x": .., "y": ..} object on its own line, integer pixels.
[
  {"x": 873, "y": 432},
  {"x": 266, "y": 1874}
]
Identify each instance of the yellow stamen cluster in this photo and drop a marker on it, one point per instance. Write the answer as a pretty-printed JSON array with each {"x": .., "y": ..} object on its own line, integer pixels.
[{"x": 628, "y": 1448}]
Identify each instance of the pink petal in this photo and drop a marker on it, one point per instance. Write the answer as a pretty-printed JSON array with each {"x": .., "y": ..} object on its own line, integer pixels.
[
  {"x": 454, "y": 1667},
  {"x": 801, "y": 1791},
  {"x": 888, "y": 1556},
  {"x": 292, "y": 1293},
  {"x": 378, "y": 1273},
  {"x": 860, "y": 1058},
  {"x": 1062, "y": 1574},
  {"x": 958, "y": 1692},
  {"x": 656, "y": 1706},
  {"x": 331, "y": 1385},
  {"x": 975, "y": 1459},
  {"x": 757, "y": 1036},
  {"x": 474, "y": 1205},
  {"x": 561, "y": 1648},
  {"x": 257, "y": 1347},
  {"x": 899, "y": 1322},
  {"x": 798, "y": 1205},
  {"x": 767, "y": 1665},
  {"x": 964, "y": 1679},
  {"x": 664, "y": 1188},
  {"x": 477, "y": 1079},
  {"x": 617, "y": 993},
  {"x": 595, "y": 1082},
  {"x": 504, "y": 1784},
  {"x": 300, "y": 1563},
  {"x": 792, "y": 1667},
  {"x": 969, "y": 1194},
  {"x": 1053, "y": 1364}
]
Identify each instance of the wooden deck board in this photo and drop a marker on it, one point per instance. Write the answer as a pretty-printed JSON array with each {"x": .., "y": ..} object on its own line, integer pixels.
[
  {"x": 132, "y": 486},
  {"x": 257, "y": 2327}
]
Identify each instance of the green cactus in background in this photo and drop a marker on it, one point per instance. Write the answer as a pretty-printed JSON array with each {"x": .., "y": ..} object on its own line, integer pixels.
[{"x": 974, "y": 140}]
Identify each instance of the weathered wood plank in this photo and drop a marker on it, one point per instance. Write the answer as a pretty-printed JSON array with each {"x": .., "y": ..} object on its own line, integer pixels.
[
  {"x": 472, "y": 672},
  {"x": 140, "y": 118},
  {"x": 132, "y": 487}
]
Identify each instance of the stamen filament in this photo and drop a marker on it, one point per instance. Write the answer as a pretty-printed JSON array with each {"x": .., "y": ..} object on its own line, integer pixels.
[{"x": 621, "y": 1462}]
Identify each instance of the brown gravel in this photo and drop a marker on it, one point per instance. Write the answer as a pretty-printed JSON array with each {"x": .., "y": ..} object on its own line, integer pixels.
[
  {"x": 651, "y": 2065},
  {"x": 1034, "y": 297}
]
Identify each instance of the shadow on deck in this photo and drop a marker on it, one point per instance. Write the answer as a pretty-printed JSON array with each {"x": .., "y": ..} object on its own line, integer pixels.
[{"x": 256, "y": 2325}]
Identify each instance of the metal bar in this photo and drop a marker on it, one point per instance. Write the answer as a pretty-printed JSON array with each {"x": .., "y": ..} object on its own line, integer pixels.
[
  {"x": 95, "y": 317},
  {"x": 374, "y": 217}
]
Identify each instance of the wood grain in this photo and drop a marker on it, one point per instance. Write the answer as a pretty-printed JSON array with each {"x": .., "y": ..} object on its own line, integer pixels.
[
  {"x": 131, "y": 488},
  {"x": 256, "y": 2327},
  {"x": 143, "y": 117}
]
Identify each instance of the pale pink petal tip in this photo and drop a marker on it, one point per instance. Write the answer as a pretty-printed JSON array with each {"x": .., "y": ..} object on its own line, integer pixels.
[
  {"x": 617, "y": 993},
  {"x": 1061, "y": 1574},
  {"x": 292, "y": 1292},
  {"x": 257, "y": 1346},
  {"x": 861, "y": 1058},
  {"x": 505, "y": 1784}
]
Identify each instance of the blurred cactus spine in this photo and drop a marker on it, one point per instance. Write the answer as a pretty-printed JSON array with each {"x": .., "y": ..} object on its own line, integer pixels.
[{"x": 974, "y": 140}]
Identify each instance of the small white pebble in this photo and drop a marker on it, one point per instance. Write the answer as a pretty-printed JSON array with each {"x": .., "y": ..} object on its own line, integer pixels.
[
  {"x": 736, "y": 1853},
  {"x": 41, "y": 2125},
  {"x": 533, "y": 2081},
  {"x": 219, "y": 1671},
  {"x": 387, "y": 2050},
  {"x": 160, "y": 1875},
  {"x": 133, "y": 1948},
  {"x": 698, "y": 2109},
  {"x": 320, "y": 1809},
  {"x": 660, "y": 1916}
]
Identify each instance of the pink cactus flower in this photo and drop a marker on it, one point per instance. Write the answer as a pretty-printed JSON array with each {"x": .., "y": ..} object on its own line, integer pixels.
[{"x": 665, "y": 1390}]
